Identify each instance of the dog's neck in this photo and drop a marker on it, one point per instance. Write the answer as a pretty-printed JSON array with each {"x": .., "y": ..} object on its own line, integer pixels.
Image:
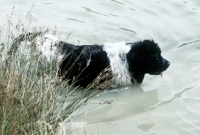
[{"x": 116, "y": 53}]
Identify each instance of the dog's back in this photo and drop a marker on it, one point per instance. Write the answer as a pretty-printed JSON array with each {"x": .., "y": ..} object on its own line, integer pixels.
[{"x": 82, "y": 64}]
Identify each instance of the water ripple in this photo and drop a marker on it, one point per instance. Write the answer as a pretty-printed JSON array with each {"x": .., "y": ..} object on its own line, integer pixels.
[
  {"x": 178, "y": 95},
  {"x": 128, "y": 30},
  {"x": 89, "y": 10},
  {"x": 75, "y": 20},
  {"x": 188, "y": 43},
  {"x": 132, "y": 9},
  {"x": 118, "y": 2}
]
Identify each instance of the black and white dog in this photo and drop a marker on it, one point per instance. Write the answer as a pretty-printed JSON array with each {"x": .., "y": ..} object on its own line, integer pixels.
[{"x": 103, "y": 66}]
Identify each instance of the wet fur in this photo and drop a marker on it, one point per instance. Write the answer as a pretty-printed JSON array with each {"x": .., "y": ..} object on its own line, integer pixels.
[
  {"x": 98, "y": 66},
  {"x": 82, "y": 64}
]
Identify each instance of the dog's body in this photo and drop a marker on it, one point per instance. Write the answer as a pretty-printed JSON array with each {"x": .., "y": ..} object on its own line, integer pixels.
[
  {"x": 105, "y": 65},
  {"x": 128, "y": 62},
  {"x": 84, "y": 63}
]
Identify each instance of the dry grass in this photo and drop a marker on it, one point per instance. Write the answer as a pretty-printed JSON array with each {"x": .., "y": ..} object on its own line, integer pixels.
[{"x": 32, "y": 100}]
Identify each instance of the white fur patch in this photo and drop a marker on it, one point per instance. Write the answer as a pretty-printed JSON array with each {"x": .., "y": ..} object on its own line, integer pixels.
[
  {"x": 47, "y": 46},
  {"x": 117, "y": 55},
  {"x": 24, "y": 49}
]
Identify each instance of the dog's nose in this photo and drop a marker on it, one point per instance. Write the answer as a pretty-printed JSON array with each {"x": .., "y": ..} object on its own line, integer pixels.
[{"x": 167, "y": 63}]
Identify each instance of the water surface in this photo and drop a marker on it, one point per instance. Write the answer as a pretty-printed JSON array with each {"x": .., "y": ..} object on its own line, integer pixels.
[{"x": 161, "y": 105}]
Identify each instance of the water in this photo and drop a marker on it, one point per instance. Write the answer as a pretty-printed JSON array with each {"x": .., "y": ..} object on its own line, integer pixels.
[{"x": 160, "y": 106}]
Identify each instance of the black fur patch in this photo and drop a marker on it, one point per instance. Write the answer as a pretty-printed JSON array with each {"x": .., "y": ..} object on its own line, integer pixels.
[
  {"x": 82, "y": 64},
  {"x": 145, "y": 57}
]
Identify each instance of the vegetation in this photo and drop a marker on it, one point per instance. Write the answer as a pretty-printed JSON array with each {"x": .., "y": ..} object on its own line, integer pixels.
[{"x": 33, "y": 100}]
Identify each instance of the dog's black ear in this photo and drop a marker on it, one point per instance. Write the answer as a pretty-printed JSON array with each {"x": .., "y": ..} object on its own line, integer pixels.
[
  {"x": 138, "y": 77},
  {"x": 150, "y": 47}
]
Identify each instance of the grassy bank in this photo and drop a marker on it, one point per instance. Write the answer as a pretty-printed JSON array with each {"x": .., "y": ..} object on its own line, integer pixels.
[{"x": 32, "y": 99}]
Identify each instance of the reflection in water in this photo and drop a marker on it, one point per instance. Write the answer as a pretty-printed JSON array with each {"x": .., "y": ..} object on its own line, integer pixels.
[
  {"x": 118, "y": 104},
  {"x": 146, "y": 127}
]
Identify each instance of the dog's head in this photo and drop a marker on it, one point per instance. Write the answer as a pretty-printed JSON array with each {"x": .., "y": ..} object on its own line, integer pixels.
[{"x": 145, "y": 57}]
